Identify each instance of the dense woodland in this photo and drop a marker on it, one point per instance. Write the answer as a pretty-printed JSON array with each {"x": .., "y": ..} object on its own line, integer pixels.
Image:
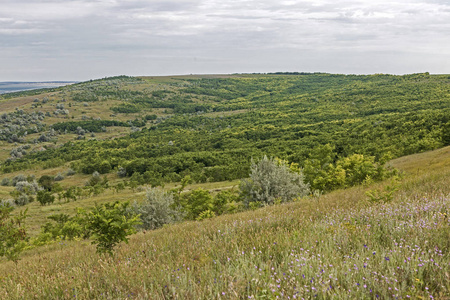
[{"x": 210, "y": 128}]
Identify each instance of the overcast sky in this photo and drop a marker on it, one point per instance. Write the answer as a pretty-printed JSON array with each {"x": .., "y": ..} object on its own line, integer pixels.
[{"x": 81, "y": 39}]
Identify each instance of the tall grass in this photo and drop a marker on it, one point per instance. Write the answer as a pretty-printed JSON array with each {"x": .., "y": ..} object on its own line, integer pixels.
[{"x": 338, "y": 246}]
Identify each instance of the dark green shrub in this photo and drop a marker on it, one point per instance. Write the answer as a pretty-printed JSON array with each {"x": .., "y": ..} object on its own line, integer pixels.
[
  {"x": 46, "y": 182},
  {"x": 45, "y": 197}
]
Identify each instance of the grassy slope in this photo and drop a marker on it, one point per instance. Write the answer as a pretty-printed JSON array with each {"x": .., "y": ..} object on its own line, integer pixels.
[{"x": 336, "y": 246}]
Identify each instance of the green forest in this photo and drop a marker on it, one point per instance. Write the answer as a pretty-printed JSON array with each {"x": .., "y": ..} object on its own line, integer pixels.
[{"x": 211, "y": 128}]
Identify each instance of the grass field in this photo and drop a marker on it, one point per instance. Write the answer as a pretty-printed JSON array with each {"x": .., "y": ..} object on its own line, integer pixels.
[{"x": 337, "y": 246}]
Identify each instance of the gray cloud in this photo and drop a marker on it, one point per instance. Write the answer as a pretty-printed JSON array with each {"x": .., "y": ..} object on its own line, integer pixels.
[{"x": 81, "y": 39}]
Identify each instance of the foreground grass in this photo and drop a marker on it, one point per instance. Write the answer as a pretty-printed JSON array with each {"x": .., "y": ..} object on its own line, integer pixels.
[
  {"x": 337, "y": 246},
  {"x": 290, "y": 251}
]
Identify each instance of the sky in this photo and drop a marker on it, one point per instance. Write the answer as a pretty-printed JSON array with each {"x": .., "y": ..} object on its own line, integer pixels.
[{"x": 82, "y": 40}]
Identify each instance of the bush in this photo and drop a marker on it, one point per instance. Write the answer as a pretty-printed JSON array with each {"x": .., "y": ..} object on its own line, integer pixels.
[
  {"x": 272, "y": 181},
  {"x": 6, "y": 182},
  {"x": 59, "y": 177},
  {"x": 7, "y": 202},
  {"x": 94, "y": 180},
  {"x": 225, "y": 202},
  {"x": 195, "y": 202},
  {"x": 46, "y": 182},
  {"x": 17, "y": 179},
  {"x": 110, "y": 224},
  {"x": 207, "y": 214},
  {"x": 156, "y": 209},
  {"x": 65, "y": 227},
  {"x": 122, "y": 172},
  {"x": 44, "y": 197},
  {"x": 27, "y": 187},
  {"x": 23, "y": 199},
  {"x": 12, "y": 233},
  {"x": 325, "y": 173},
  {"x": 70, "y": 172}
]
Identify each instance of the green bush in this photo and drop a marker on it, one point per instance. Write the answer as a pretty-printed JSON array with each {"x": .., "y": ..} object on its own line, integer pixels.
[
  {"x": 65, "y": 227},
  {"x": 325, "y": 172},
  {"x": 12, "y": 232},
  {"x": 46, "y": 182},
  {"x": 22, "y": 199},
  {"x": 206, "y": 214},
  {"x": 44, "y": 197},
  {"x": 110, "y": 224},
  {"x": 225, "y": 202},
  {"x": 195, "y": 202}
]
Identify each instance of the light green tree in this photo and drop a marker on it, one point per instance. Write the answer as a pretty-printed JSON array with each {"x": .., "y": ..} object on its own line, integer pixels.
[
  {"x": 13, "y": 237},
  {"x": 110, "y": 224}
]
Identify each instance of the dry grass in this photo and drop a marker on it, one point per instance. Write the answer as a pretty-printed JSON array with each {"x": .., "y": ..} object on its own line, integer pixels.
[{"x": 337, "y": 246}]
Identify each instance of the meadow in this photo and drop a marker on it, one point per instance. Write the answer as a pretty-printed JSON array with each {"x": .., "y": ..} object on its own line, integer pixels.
[{"x": 336, "y": 246}]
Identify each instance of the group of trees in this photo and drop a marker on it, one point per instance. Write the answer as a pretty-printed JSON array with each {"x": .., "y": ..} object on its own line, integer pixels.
[
  {"x": 107, "y": 225},
  {"x": 324, "y": 172},
  {"x": 28, "y": 189},
  {"x": 15, "y": 126},
  {"x": 270, "y": 181},
  {"x": 89, "y": 125}
]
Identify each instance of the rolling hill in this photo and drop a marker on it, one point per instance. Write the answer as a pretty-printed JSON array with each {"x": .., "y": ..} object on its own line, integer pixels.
[{"x": 373, "y": 149}]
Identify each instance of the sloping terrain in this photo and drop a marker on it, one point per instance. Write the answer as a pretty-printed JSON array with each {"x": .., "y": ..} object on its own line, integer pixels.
[
  {"x": 209, "y": 127},
  {"x": 335, "y": 246},
  {"x": 365, "y": 231}
]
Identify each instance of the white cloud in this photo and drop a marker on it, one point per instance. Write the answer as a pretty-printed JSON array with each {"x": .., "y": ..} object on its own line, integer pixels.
[{"x": 198, "y": 36}]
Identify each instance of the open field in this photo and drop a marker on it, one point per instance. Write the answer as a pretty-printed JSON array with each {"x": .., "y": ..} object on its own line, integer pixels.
[{"x": 332, "y": 247}]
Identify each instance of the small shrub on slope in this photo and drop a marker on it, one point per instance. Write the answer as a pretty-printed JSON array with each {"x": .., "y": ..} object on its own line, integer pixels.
[
  {"x": 12, "y": 233},
  {"x": 156, "y": 209},
  {"x": 272, "y": 181},
  {"x": 110, "y": 224}
]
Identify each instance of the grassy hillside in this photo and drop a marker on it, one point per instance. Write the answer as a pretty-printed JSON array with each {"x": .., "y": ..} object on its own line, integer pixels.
[
  {"x": 210, "y": 127},
  {"x": 370, "y": 235},
  {"x": 332, "y": 247}
]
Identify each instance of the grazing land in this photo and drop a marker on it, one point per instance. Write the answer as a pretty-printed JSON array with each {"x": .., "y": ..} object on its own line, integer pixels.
[{"x": 369, "y": 155}]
